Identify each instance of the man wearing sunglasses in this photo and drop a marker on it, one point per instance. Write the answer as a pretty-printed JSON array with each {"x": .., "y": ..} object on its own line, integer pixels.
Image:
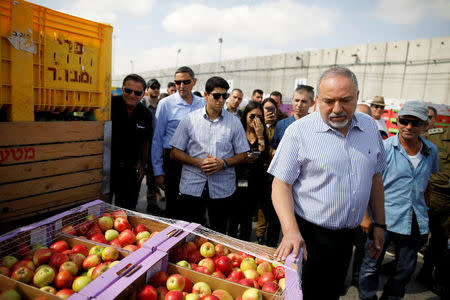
[
  {"x": 131, "y": 134},
  {"x": 170, "y": 111},
  {"x": 411, "y": 160},
  {"x": 209, "y": 142}
]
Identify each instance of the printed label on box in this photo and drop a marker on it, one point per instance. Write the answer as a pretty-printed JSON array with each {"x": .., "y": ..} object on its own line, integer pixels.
[
  {"x": 152, "y": 271},
  {"x": 38, "y": 235}
]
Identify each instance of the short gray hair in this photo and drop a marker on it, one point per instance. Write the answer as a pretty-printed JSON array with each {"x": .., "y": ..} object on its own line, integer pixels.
[{"x": 338, "y": 71}]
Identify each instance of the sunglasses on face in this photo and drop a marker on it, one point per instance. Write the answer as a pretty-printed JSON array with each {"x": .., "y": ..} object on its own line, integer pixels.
[
  {"x": 415, "y": 123},
  {"x": 430, "y": 117},
  {"x": 130, "y": 91},
  {"x": 378, "y": 106},
  {"x": 155, "y": 87},
  {"x": 253, "y": 116},
  {"x": 185, "y": 82},
  {"x": 217, "y": 96}
]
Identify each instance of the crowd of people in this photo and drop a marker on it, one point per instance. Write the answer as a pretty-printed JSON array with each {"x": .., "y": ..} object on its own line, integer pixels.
[{"x": 328, "y": 180}]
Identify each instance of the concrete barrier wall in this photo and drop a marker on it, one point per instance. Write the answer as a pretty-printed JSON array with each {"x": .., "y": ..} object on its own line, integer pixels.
[{"x": 415, "y": 69}]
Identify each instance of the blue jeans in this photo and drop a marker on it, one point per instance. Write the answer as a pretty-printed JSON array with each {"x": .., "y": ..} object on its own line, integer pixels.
[{"x": 407, "y": 247}]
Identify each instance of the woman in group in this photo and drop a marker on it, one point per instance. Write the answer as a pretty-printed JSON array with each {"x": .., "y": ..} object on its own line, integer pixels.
[{"x": 250, "y": 175}]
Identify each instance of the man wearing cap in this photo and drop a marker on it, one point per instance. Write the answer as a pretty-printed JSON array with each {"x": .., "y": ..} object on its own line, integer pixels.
[
  {"x": 169, "y": 113},
  {"x": 151, "y": 102},
  {"x": 411, "y": 160},
  {"x": 377, "y": 109}
]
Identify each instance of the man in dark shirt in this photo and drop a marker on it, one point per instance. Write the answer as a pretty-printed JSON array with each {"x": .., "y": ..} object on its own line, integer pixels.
[{"x": 131, "y": 133}]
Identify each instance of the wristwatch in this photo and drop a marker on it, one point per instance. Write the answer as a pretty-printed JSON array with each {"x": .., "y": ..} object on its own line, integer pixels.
[
  {"x": 225, "y": 164},
  {"x": 383, "y": 226},
  {"x": 261, "y": 143}
]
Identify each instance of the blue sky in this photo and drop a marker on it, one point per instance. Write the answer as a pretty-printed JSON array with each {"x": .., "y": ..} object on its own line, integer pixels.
[{"x": 149, "y": 32}]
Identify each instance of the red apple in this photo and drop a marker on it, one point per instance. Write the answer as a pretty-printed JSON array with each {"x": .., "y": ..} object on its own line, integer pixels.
[
  {"x": 207, "y": 249},
  {"x": 140, "y": 228},
  {"x": 211, "y": 297},
  {"x": 99, "y": 238},
  {"x": 159, "y": 279},
  {"x": 80, "y": 248},
  {"x": 121, "y": 223},
  {"x": 162, "y": 292},
  {"x": 187, "y": 285},
  {"x": 218, "y": 274},
  {"x": 190, "y": 246},
  {"x": 23, "y": 250},
  {"x": 175, "y": 282},
  {"x": 92, "y": 260},
  {"x": 235, "y": 276},
  {"x": 141, "y": 242},
  {"x": 23, "y": 274},
  {"x": 42, "y": 256},
  {"x": 70, "y": 267},
  {"x": 63, "y": 280},
  {"x": 264, "y": 267},
  {"x": 209, "y": 264},
  {"x": 201, "y": 288},
  {"x": 270, "y": 287},
  {"x": 174, "y": 295},
  {"x": 148, "y": 293},
  {"x": 236, "y": 259},
  {"x": 83, "y": 228},
  {"x": 23, "y": 263},
  {"x": 130, "y": 248},
  {"x": 248, "y": 282},
  {"x": 69, "y": 229},
  {"x": 65, "y": 293},
  {"x": 194, "y": 257},
  {"x": 266, "y": 277},
  {"x": 244, "y": 255},
  {"x": 278, "y": 272},
  {"x": 116, "y": 243},
  {"x": 262, "y": 257},
  {"x": 99, "y": 270},
  {"x": 224, "y": 265},
  {"x": 78, "y": 259},
  {"x": 119, "y": 213},
  {"x": 58, "y": 259},
  {"x": 222, "y": 294},
  {"x": 221, "y": 250},
  {"x": 127, "y": 237},
  {"x": 202, "y": 269},
  {"x": 60, "y": 246}
]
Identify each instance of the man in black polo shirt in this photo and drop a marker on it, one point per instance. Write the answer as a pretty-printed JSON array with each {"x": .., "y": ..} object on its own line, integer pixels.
[{"x": 131, "y": 134}]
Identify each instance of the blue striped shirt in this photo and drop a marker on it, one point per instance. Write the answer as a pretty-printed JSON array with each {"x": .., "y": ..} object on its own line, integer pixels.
[
  {"x": 198, "y": 135},
  {"x": 331, "y": 174},
  {"x": 169, "y": 113}
]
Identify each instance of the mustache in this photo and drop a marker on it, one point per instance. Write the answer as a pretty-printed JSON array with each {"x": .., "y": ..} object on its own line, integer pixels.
[{"x": 334, "y": 115}]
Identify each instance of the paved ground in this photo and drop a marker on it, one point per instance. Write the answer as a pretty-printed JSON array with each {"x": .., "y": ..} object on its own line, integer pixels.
[{"x": 414, "y": 290}]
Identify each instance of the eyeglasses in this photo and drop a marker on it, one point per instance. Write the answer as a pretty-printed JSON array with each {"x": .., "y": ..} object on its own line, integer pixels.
[
  {"x": 378, "y": 106},
  {"x": 415, "y": 123},
  {"x": 130, "y": 91},
  {"x": 185, "y": 82},
  {"x": 155, "y": 87},
  {"x": 253, "y": 116},
  {"x": 217, "y": 96}
]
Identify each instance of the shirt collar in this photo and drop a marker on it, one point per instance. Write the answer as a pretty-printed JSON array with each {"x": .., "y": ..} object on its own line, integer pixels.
[
  {"x": 181, "y": 101},
  {"x": 205, "y": 115}
]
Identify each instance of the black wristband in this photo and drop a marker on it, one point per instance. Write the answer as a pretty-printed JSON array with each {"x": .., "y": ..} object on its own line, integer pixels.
[
  {"x": 383, "y": 226},
  {"x": 225, "y": 164}
]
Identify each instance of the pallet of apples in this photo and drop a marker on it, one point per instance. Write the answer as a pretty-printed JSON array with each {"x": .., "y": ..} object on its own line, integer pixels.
[{"x": 36, "y": 262}]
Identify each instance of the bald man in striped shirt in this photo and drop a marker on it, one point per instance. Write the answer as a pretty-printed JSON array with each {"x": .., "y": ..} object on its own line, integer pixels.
[{"x": 327, "y": 170}]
